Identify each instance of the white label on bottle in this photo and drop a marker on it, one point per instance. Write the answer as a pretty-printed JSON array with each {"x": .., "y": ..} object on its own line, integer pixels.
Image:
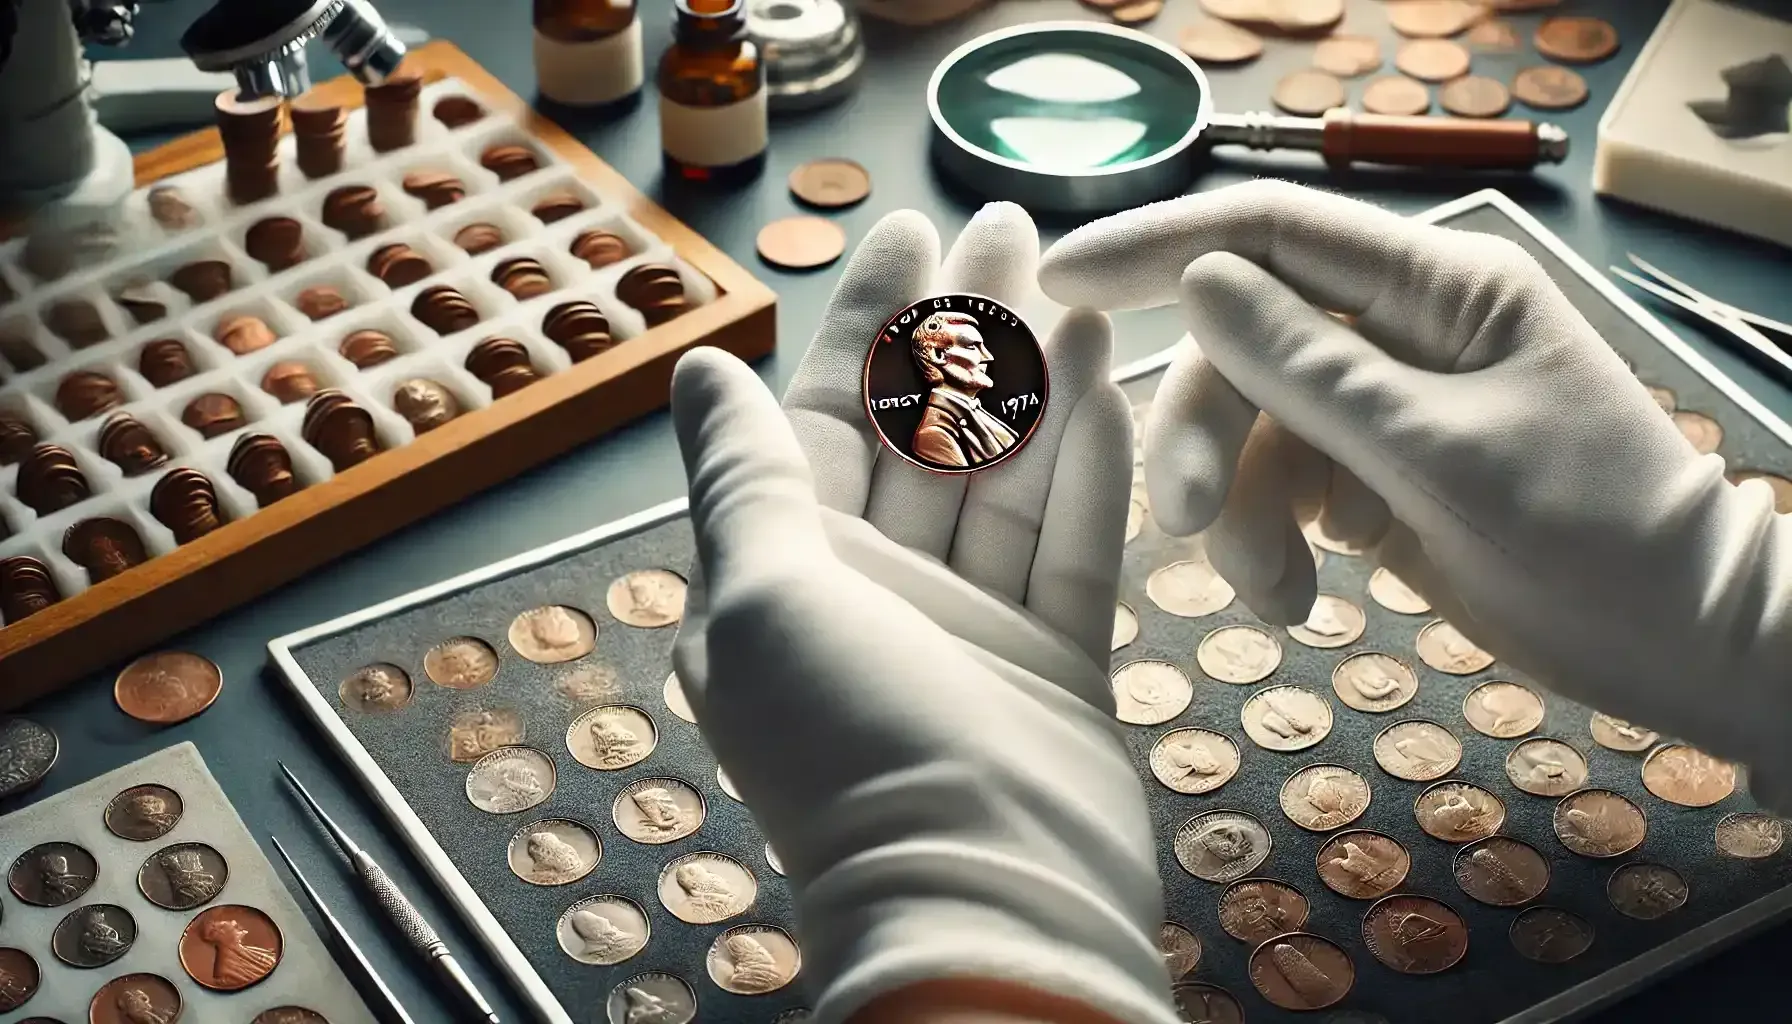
[
  {"x": 589, "y": 73},
  {"x": 714, "y": 136}
]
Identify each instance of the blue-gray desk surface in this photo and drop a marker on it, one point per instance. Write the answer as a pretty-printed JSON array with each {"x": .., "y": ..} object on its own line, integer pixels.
[{"x": 885, "y": 128}]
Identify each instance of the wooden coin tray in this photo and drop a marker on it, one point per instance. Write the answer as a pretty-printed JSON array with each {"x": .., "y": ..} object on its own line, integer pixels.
[
  {"x": 259, "y": 548},
  {"x": 400, "y": 758},
  {"x": 306, "y": 975}
]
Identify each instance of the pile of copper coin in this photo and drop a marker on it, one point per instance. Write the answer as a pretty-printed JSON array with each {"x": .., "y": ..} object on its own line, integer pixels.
[
  {"x": 340, "y": 429},
  {"x": 320, "y": 131},
  {"x": 656, "y": 290},
  {"x": 392, "y": 112},
  {"x": 251, "y": 133}
]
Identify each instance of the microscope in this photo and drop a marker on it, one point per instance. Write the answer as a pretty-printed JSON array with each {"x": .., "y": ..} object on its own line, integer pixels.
[{"x": 62, "y": 174}]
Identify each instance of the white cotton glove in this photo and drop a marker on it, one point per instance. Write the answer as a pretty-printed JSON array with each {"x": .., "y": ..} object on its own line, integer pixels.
[
  {"x": 1472, "y": 430},
  {"x": 905, "y": 673}
]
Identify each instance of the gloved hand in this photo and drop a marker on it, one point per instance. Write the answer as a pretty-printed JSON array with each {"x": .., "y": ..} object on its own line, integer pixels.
[
  {"x": 905, "y": 673},
  {"x": 1472, "y": 430}
]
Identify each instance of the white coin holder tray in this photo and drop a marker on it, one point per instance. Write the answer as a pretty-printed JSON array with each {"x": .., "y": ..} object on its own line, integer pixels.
[{"x": 147, "y": 254}]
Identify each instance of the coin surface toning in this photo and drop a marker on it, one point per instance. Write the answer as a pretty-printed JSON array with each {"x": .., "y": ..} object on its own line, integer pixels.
[
  {"x": 1333, "y": 622},
  {"x": 612, "y": 737},
  {"x": 1150, "y": 692},
  {"x": 52, "y": 874},
  {"x": 1189, "y": 589},
  {"x": 1617, "y": 734},
  {"x": 753, "y": 959},
  {"x": 955, "y": 383},
  {"x": 510, "y": 779},
  {"x": 1646, "y": 891},
  {"x": 1221, "y": 846},
  {"x": 1374, "y": 682},
  {"x": 1323, "y": 797},
  {"x": 379, "y": 687},
  {"x": 27, "y": 752},
  {"x": 143, "y": 813},
  {"x": 1362, "y": 865},
  {"x": 230, "y": 948},
  {"x": 461, "y": 663},
  {"x": 1210, "y": 1004},
  {"x": 552, "y": 634},
  {"x": 167, "y": 687},
  {"x": 183, "y": 876},
  {"x": 1181, "y": 949},
  {"x": 657, "y": 811},
  {"x": 704, "y": 888},
  {"x": 603, "y": 930},
  {"x": 554, "y": 851},
  {"x": 1750, "y": 835},
  {"x": 1546, "y": 767},
  {"x": 476, "y": 733},
  {"x": 647, "y": 598},
  {"x": 1239, "y": 654},
  {"x": 94, "y": 935},
  {"x": 1254, "y": 909},
  {"x": 1688, "y": 776},
  {"x": 1501, "y": 871},
  {"x": 1444, "y": 648},
  {"x": 1599, "y": 823},
  {"x": 1286, "y": 718},
  {"x": 19, "y": 978},
  {"x": 1458, "y": 812},
  {"x": 654, "y": 996},
  {"x": 1503, "y": 710},
  {"x": 1415, "y": 934},
  {"x": 1194, "y": 761},
  {"x": 1417, "y": 751},
  {"x": 1300, "y": 971},
  {"x": 1550, "y": 935},
  {"x": 135, "y": 997},
  {"x": 1392, "y": 593}
]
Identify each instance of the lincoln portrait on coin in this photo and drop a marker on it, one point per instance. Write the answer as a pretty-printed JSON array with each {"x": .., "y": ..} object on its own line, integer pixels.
[
  {"x": 188, "y": 877},
  {"x": 238, "y": 963},
  {"x": 61, "y": 882},
  {"x": 151, "y": 809},
  {"x": 136, "y": 1007},
  {"x": 955, "y": 429},
  {"x": 100, "y": 939}
]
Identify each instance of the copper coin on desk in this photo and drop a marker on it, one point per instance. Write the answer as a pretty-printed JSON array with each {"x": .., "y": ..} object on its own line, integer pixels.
[
  {"x": 1749, "y": 835},
  {"x": 1599, "y": 823},
  {"x": 1194, "y": 761},
  {"x": 1396, "y": 96},
  {"x": 1189, "y": 590},
  {"x": 476, "y": 732},
  {"x": 673, "y": 694},
  {"x": 511, "y": 779},
  {"x": 1323, "y": 797},
  {"x": 647, "y": 598},
  {"x": 1576, "y": 40},
  {"x": 1221, "y": 846},
  {"x": 1501, "y": 871},
  {"x": 658, "y": 811},
  {"x": 1333, "y": 622},
  {"x": 1502, "y": 710},
  {"x": 1415, "y": 934},
  {"x": 1494, "y": 35},
  {"x": 1209, "y": 1004},
  {"x": 1137, "y": 12},
  {"x": 801, "y": 243},
  {"x": 19, "y": 978},
  {"x": 167, "y": 687},
  {"x": 1180, "y": 947},
  {"x": 134, "y": 998},
  {"x": 289, "y": 1015},
  {"x": 1300, "y": 971},
  {"x": 1374, "y": 683},
  {"x": 552, "y": 634},
  {"x": 142, "y": 813},
  {"x": 1432, "y": 60},
  {"x": 1617, "y": 734},
  {"x": 1362, "y": 864},
  {"x": 27, "y": 753},
  {"x": 1550, "y": 935},
  {"x": 612, "y": 737},
  {"x": 461, "y": 663},
  {"x": 1286, "y": 718},
  {"x": 1255, "y": 909},
  {"x": 1458, "y": 812},
  {"x": 1645, "y": 891},
  {"x": 1546, "y": 767},
  {"x": 1433, "y": 19},
  {"x": 1150, "y": 692},
  {"x": 379, "y": 687},
  {"x": 1688, "y": 776},
  {"x": 94, "y": 935},
  {"x": 183, "y": 876},
  {"x": 603, "y": 930},
  {"x": 656, "y": 996},
  {"x": 52, "y": 874},
  {"x": 229, "y": 948},
  {"x": 1394, "y": 594},
  {"x": 554, "y": 851},
  {"x": 1308, "y": 93},
  {"x": 1443, "y": 647},
  {"x": 1212, "y": 41},
  {"x": 753, "y": 959},
  {"x": 1548, "y": 87},
  {"x": 1417, "y": 750},
  {"x": 1238, "y": 654},
  {"x": 1475, "y": 96},
  {"x": 1347, "y": 56},
  {"x": 831, "y": 184},
  {"x": 704, "y": 888}
]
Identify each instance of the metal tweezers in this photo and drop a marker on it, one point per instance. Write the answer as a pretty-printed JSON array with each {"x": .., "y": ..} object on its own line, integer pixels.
[{"x": 1745, "y": 327}]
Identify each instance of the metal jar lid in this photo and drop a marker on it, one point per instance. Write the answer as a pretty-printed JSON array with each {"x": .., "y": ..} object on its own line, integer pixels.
[
  {"x": 1074, "y": 117},
  {"x": 812, "y": 51}
]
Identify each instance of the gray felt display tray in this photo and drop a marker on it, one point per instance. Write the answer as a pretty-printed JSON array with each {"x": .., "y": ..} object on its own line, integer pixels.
[
  {"x": 400, "y": 757},
  {"x": 306, "y": 975}
]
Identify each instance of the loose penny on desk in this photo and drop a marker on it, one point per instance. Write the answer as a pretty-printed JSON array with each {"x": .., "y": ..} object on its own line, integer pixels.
[
  {"x": 94, "y": 935},
  {"x": 801, "y": 243},
  {"x": 1308, "y": 93},
  {"x": 1397, "y": 96},
  {"x": 1417, "y": 751},
  {"x": 1181, "y": 949},
  {"x": 1433, "y": 19},
  {"x": 1432, "y": 60},
  {"x": 1415, "y": 934},
  {"x": 1212, "y": 41},
  {"x": 1475, "y": 96},
  {"x": 167, "y": 687},
  {"x": 1550, "y": 935},
  {"x": 184, "y": 876},
  {"x": 23, "y": 976},
  {"x": 831, "y": 183},
  {"x": 133, "y": 998},
  {"x": 1209, "y": 1004},
  {"x": 1255, "y": 909},
  {"x": 1576, "y": 40},
  {"x": 552, "y": 634},
  {"x": 52, "y": 874},
  {"x": 753, "y": 959},
  {"x": 1599, "y": 823},
  {"x": 1501, "y": 871},
  {"x": 1548, "y": 87},
  {"x": 229, "y": 948},
  {"x": 1688, "y": 776},
  {"x": 143, "y": 813},
  {"x": 1301, "y": 971},
  {"x": 1645, "y": 891},
  {"x": 1749, "y": 835}
]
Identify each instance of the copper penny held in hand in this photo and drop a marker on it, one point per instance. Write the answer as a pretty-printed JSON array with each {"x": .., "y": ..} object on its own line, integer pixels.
[
  {"x": 801, "y": 243},
  {"x": 167, "y": 687},
  {"x": 229, "y": 948},
  {"x": 1576, "y": 40},
  {"x": 955, "y": 383}
]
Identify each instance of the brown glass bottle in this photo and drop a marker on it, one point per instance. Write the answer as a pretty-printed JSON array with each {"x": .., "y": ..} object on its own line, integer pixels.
[
  {"x": 587, "y": 52},
  {"x": 713, "y": 124}
]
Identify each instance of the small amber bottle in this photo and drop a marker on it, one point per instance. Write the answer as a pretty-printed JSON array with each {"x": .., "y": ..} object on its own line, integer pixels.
[
  {"x": 588, "y": 52},
  {"x": 713, "y": 123}
]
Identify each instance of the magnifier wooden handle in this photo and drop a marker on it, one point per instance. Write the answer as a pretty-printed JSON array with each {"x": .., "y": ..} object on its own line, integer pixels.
[{"x": 1344, "y": 137}]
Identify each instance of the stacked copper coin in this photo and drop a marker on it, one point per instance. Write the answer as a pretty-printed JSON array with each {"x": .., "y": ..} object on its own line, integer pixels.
[
  {"x": 17, "y": 438},
  {"x": 458, "y": 111},
  {"x": 509, "y": 161},
  {"x": 105, "y": 547},
  {"x": 251, "y": 132},
  {"x": 50, "y": 480},
  {"x": 340, "y": 429},
  {"x": 444, "y": 310},
  {"x": 354, "y": 210},
  {"x": 277, "y": 242},
  {"x": 556, "y": 206},
  {"x": 654, "y": 289},
  {"x": 392, "y": 112},
  {"x": 214, "y": 413},
  {"x": 319, "y": 128},
  {"x": 165, "y": 361},
  {"x": 368, "y": 348},
  {"x": 398, "y": 265},
  {"x": 289, "y": 381},
  {"x": 128, "y": 444},
  {"x": 86, "y": 392},
  {"x": 580, "y": 328},
  {"x": 263, "y": 466},
  {"x": 503, "y": 364},
  {"x": 245, "y": 334},
  {"x": 601, "y": 248},
  {"x": 26, "y": 587},
  {"x": 523, "y": 277},
  {"x": 187, "y": 504},
  {"x": 204, "y": 280},
  {"x": 479, "y": 238},
  {"x": 435, "y": 188},
  {"x": 77, "y": 322}
]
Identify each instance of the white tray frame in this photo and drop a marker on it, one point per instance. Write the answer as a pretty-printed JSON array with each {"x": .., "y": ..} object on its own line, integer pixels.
[{"x": 1568, "y": 1005}]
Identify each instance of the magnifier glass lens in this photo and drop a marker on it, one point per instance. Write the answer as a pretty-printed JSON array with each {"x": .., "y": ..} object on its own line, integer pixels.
[{"x": 1068, "y": 102}]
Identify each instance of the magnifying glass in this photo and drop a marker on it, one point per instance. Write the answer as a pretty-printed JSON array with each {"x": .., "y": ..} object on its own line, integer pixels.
[{"x": 1082, "y": 117}]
